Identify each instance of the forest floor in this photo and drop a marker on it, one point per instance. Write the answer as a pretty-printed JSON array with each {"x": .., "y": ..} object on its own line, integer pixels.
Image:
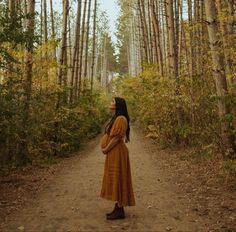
[{"x": 172, "y": 193}]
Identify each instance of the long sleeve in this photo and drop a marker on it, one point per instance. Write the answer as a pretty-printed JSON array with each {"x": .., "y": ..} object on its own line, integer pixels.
[{"x": 119, "y": 127}]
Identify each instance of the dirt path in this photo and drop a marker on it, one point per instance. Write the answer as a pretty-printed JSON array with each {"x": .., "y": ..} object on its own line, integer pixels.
[{"x": 71, "y": 202}]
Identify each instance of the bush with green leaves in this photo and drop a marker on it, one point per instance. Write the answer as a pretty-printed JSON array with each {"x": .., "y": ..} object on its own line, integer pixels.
[
  {"x": 51, "y": 132},
  {"x": 183, "y": 110}
]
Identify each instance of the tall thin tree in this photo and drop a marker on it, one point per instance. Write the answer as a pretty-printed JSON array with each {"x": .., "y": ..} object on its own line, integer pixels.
[
  {"x": 94, "y": 42},
  {"x": 219, "y": 75}
]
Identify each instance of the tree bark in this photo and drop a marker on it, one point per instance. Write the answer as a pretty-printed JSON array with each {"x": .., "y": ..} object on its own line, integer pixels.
[
  {"x": 22, "y": 157},
  {"x": 12, "y": 8},
  {"x": 75, "y": 56},
  {"x": 144, "y": 29},
  {"x": 172, "y": 41},
  {"x": 157, "y": 38},
  {"x": 45, "y": 23},
  {"x": 227, "y": 43},
  {"x": 87, "y": 42},
  {"x": 219, "y": 76},
  {"x": 150, "y": 33},
  {"x": 82, "y": 47},
  {"x": 53, "y": 29},
  {"x": 63, "y": 41},
  {"x": 94, "y": 42}
]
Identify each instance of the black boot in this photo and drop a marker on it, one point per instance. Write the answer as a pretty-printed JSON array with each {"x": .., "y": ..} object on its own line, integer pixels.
[
  {"x": 119, "y": 213},
  {"x": 115, "y": 208}
]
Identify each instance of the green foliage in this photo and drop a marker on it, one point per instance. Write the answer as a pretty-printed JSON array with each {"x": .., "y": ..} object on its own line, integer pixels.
[
  {"x": 62, "y": 131},
  {"x": 51, "y": 132},
  {"x": 12, "y": 34},
  {"x": 154, "y": 101}
]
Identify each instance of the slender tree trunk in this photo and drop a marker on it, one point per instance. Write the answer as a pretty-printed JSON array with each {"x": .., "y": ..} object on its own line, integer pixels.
[
  {"x": 53, "y": 29},
  {"x": 62, "y": 62},
  {"x": 231, "y": 9},
  {"x": 172, "y": 41},
  {"x": 180, "y": 34},
  {"x": 149, "y": 29},
  {"x": 141, "y": 42},
  {"x": 220, "y": 78},
  {"x": 173, "y": 60},
  {"x": 176, "y": 27},
  {"x": 75, "y": 56},
  {"x": 227, "y": 43},
  {"x": 25, "y": 13},
  {"x": 185, "y": 46},
  {"x": 12, "y": 15},
  {"x": 87, "y": 42},
  {"x": 190, "y": 19},
  {"x": 22, "y": 156},
  {"x": 104, "y": 62},
  {"x": 52, "y": 19},
  {"x": 63, "y": 41},
  {"x": 157, "y": 38},
  {"x": 94, "y": 42},
  {"x": 12, "y": 8},
  {"x": 45, "y": 30},
  {"x": 163, "y": 36},
  {"x": 198, "y": 20},
  {"x": 82, "y": 47},
  {"x": 41, "y": 25},
  {"x": 45, "y": 24},
  {"x": 69, "y": 44},
  {"x": 144, "y": 29}
]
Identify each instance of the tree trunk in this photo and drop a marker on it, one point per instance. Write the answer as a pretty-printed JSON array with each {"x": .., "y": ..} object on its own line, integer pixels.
[
  {"x": 157, "y": 38},
  {"x": 45, "y": 23},
  {"x": 22, "y": 157},
  {"x": 53, "y": 29},
  {"x": 220, "y": 78},
  {"x": 25, "y": 13},
  {"x": 94, "y": 42},
  {"x": 141, "y": 46},
  {"x": 164, "y": 38},
  {"x": 75, "y": 56},
  {"x": 104, "y": 62},
  {"x": 41, "y": 27},
  {"x": 82, "y": 47},
  {"x": 63, "y": 41},
  {"x": 190, "y": 19},
  {"x": 180, "y": 40},
  {"x": 172, "y": 41},
  {"x": 150, "y": 34},
  {"x": 69, "y": 43},
  {"x": 227, "y": 43},
  {"x": 144, "y": 29},
  {"x": 87, "y": 42},
  {"x": 12, "y": 8}
]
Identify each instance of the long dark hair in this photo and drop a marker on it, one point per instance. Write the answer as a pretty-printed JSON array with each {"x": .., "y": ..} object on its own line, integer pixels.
[{"x": 121, "y": 109}]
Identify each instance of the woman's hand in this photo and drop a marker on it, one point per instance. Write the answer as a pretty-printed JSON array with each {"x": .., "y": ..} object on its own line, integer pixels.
[{"x": 114, "y": 141}]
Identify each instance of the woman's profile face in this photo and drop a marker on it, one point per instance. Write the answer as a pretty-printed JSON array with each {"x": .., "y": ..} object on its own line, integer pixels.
[{"x": 113, "y": 105}]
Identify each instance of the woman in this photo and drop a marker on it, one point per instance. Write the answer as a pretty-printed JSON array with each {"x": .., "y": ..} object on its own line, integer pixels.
[{"x": 117, "y": 182}]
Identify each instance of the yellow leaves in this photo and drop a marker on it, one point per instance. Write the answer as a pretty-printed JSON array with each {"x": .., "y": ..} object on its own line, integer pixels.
[
  {"x": 157, "y": 101},
  {"x": 17, "y": 52}
]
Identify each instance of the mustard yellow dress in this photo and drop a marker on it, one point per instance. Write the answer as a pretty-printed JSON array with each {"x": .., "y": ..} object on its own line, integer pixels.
[{"x": 117, "y": 181}]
